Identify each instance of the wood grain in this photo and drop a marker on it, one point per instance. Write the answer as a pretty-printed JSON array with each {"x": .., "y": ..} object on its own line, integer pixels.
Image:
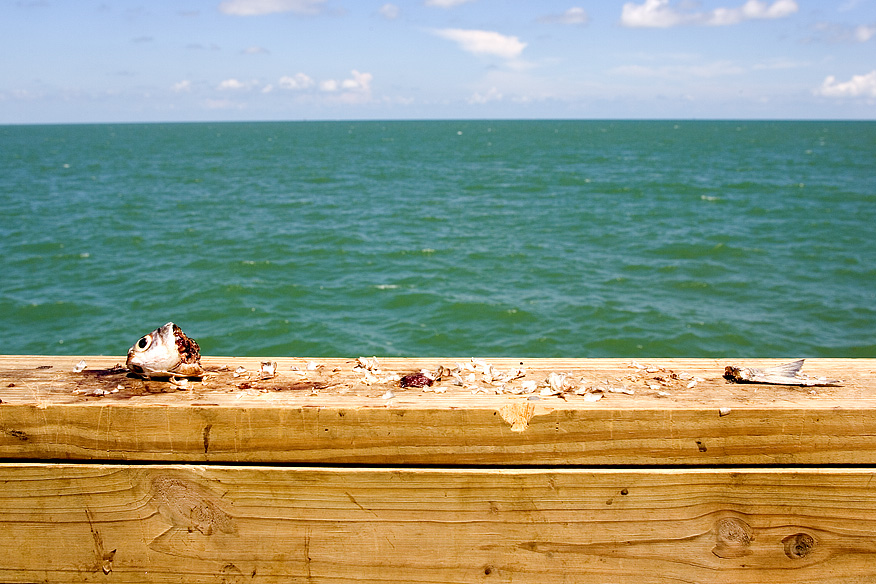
[
  {"x": 329, "y": 415},
  {"x": 184, "y": 523}
]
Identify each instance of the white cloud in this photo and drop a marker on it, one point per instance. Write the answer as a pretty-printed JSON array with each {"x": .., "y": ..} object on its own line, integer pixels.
[
  {"x": 778, "y": 9},
  {"x": 26, "y": 94},
  {"x": 446, "y": 3},
  {"x": 484, "y": 42},
  {"x": 831, "y": 32},
  {"x": 235, "y": 85},
  {"x": 231, "y": 84},
  {"x": 298, "y": 81},
  {"x": 751, "y": 10},
  {"x": 200, "y": 47},
  {"x": 259, "y": 7},
  {"x": 864, "y": 33},
  {"x": 653, "y": 13},
  {"x": 660, "y": 14},
  {"x": 255, "y": 51},
  {"x": 390, "y": 11},
  {"x": 355, "y": 89},
  {"x": 491, "y": 94},
  {"x": 574, "y": 15},
  {"x": 183, "y": 86},
  {"x": 857, "y": 86},
  {"x": 359, "y": 82}
]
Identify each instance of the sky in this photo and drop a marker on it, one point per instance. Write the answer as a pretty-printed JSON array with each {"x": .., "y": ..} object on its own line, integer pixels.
[{"x": 89, "y": 61}]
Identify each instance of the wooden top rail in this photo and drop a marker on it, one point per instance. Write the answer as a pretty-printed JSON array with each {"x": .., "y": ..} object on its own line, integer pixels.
[{"x": 329, "y": 411}]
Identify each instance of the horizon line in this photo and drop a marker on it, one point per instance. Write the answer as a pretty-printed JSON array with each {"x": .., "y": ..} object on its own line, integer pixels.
[{"x": 449, "y": 119}]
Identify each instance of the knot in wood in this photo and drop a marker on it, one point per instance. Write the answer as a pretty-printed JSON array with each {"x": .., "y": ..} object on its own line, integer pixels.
[
  {"x": 189, "y": 506},
  {"x": 733, "y": 538},
  {"x": 798, "y": 545}
]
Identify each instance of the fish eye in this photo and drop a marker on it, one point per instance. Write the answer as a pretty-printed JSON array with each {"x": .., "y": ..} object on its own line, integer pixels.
[{"x": 144, "y": 342}]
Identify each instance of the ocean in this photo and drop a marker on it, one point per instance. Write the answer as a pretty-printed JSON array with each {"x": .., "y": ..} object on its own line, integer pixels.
[{"x": 442, "y": 238}]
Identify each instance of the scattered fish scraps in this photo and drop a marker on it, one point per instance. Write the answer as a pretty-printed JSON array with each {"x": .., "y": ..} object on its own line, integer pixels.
[
  {"x": 419, "y": 379},
  {"x": 367, "y": 364},
  {"x": 80, "y": 367},
  {"x": 164, "y": 353},
  {"x": 528, "y": 386},
  {"x": 646, "y": 367},
  {"x": 465, "y": 374},
  {"x": 786, "y": 374},
  {"x": 268, "y": 369},
  {"x": 98, "y": 392},
  {"x": 369, "y": 368},
  {"x": 557, "y": 384},
  {"x": 180, "y": 382}
]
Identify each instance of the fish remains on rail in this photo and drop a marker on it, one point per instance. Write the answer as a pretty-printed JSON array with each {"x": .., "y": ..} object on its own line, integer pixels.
[
  {"x": 165, "y": 352},
  {"x": 787, "y": 374}
]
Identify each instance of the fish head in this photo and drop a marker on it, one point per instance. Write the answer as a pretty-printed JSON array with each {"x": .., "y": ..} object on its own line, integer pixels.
[{"x": 165, "y": 352}]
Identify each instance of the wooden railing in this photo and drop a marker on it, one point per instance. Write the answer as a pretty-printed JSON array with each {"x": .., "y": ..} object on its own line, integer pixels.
[{"x": 324, "y": 470}]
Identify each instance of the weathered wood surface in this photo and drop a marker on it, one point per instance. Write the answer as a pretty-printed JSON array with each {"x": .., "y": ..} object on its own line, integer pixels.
[
  {"x": 331, "y": 415},
  {"x": 184, "y": 523}
]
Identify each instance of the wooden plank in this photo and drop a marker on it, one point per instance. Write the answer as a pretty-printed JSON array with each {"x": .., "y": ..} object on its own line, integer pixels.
[
  {"x": 331, "y": 415},
  {"x": 183, "y": 523}
]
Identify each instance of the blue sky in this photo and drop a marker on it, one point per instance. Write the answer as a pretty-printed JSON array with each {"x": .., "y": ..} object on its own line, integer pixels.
[{"x": 191, "y": 60}]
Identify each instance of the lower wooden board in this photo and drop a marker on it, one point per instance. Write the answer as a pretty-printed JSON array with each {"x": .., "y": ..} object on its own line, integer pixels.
[
  {"x": 186, "y": 523},
  {"x": 329, "y": 413}
]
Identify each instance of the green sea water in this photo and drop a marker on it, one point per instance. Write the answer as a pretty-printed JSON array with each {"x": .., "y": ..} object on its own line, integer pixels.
[{"x": 469, "y": 238}]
